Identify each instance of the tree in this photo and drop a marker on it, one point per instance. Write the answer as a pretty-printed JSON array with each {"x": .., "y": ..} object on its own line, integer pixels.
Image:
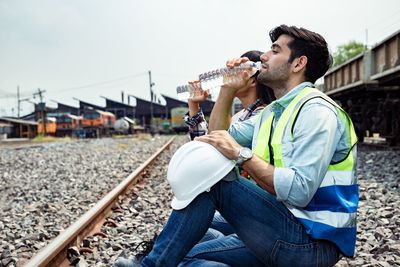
[{"x": 347, "y": 51}]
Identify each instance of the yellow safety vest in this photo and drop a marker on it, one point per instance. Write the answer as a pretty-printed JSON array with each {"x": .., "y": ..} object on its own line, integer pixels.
[{"x": 318, "y": 218}]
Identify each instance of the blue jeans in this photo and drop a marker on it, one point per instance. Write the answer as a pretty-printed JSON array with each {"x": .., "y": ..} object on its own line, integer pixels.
[
  {"x": 219, "y": 228},
  {"x": 267, "y": 233}
]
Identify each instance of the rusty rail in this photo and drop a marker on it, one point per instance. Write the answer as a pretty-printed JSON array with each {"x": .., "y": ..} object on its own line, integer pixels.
[{"x": 55, "y": 252}]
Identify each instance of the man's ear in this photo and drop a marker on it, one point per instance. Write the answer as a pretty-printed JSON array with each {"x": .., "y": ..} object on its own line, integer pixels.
[{"x": 300, "y": 63}]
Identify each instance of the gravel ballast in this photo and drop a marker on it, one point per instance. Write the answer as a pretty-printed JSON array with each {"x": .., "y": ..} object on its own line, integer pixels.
[{"x": 45, "y": 189}]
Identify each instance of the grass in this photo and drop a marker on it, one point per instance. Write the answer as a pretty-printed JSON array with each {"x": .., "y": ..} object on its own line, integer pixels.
[
  {"x": 119, "y": 136},
  {"x": 41, "y": 138},
  {"x": 123, "y": 146},
  {"x": 146, "y": 137}
]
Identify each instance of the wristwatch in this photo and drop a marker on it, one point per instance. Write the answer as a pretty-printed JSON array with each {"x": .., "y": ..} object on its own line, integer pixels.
[{"x": 245, "y": 153}]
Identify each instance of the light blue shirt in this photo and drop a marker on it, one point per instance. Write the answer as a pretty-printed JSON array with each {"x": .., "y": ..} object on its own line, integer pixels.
[{"x": 318, "y": 140}]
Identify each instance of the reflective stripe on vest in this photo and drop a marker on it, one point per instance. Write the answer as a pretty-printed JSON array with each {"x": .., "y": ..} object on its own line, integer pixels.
[{"x": 331, "y": 213}]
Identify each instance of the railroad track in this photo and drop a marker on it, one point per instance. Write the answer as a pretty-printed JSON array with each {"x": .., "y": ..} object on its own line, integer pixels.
[
  {"x": 55, "y": 254},
  {"x": 380, "y": 146},
  {"x": 17, "y": 145}
]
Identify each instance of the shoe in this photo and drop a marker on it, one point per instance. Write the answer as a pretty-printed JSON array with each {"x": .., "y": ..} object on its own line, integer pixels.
[{"x": 147, "y": 246}]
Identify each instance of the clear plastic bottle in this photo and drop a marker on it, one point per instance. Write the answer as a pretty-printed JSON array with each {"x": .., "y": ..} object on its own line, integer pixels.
[
  {"x": 188, "y": 91},
  {"x": 213, "y": 80},
  {"x": 183, "y": 92}
]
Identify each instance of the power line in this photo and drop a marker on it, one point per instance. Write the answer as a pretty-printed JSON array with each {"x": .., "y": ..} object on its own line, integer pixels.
[
  {"x": 101, "y": 83},
  {"x": 6, "y": 94},
  {"x": 384, "y": 27},
  {"x": 380, "y": 22}
]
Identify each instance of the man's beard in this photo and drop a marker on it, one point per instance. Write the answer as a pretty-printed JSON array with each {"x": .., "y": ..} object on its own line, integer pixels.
[{"x": 276, "y": 77}]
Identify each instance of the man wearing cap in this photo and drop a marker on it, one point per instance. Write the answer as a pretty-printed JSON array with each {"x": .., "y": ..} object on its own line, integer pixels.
[{"x": 302, "y": 211}]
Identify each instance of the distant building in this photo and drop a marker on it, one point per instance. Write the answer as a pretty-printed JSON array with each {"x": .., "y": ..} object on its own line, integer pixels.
[
  {"x": 140, "y": 109},
  {"x": 120, "y": 109},
  {"x": 66, "y": 109},
  {"x": 85, "y": 105},
  {"x": 143, "y": 111},
  {"x": 206, "y": 106},
  {"x": 19, "y": 128}
]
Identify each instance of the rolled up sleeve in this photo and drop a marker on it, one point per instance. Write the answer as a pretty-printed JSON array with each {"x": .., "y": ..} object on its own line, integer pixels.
[
  {"x": 283, "y": 180},
  {"x": 315, "y": 138},
  {"x": 242, "y": 131}
]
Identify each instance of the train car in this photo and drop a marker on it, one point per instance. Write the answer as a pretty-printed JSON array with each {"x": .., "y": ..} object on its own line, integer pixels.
[
  {"x": 177, "y": 123},
  {"x": 97, "y": 123},
  {"x": 124, "y": 125},
  {"x": 51, "y": 126},
  {"x": 68, "y": 125}
]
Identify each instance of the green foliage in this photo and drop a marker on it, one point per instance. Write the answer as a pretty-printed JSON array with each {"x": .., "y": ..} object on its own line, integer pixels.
[
  {"x": 347, "y": 51},
  {"x": 41, "y": 138}
]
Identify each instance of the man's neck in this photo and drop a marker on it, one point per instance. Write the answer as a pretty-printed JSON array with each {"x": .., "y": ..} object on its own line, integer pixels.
[{"x": 284, "y": 88}]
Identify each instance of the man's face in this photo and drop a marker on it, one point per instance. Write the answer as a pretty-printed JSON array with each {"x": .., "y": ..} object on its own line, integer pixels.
[{"x": 276, "y": 68}]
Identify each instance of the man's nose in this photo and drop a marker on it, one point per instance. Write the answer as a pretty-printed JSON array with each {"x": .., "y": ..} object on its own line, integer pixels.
[{"x": 264, "y": 57}]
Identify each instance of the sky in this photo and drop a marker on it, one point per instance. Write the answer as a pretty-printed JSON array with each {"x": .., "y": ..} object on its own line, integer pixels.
[{"x": 85, "y": 49}]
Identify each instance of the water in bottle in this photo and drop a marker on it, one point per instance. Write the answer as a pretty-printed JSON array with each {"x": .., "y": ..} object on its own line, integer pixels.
[
  {"x": 183, "y": 92},
  {"x": 188, "y": 91},
  {"x": 213, "y": 80}
]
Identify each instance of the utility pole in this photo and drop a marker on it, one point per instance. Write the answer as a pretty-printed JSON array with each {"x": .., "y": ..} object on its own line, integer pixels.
[
  {"x": 41, "y": 108},
  {"x": 19, "y": 107},
  {"x": 19, "y": 101},
  {"x": 151, "y": 98}
]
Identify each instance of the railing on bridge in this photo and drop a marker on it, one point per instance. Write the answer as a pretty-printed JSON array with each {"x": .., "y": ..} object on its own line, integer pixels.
[
  {"x": 368, "y": 88},
  {"x": 370, "y": 68}
]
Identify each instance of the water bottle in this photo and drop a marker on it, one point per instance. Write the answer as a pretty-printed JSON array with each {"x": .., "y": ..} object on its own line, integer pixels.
[
  {"x": 183, "y": 92},
  {"x": 189, "y": 91},
  {"x": 213, "y": 80}
]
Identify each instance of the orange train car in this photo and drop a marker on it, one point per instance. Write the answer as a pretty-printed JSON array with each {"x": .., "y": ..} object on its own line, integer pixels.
[
  {"x": 68, "y": 125},
  {"x": 93, "y": 117},
  {"x": 51, "y": 126},
  {"x": 97, "y": 123},
  {"x": 68, "y": 121}
]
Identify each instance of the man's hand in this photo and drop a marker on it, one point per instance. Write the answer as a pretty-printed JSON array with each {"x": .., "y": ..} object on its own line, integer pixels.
[
  {"x": 223, "y": 142},
  {"x": 236, "y": 62},
  {"x": 232, "y": 84}
]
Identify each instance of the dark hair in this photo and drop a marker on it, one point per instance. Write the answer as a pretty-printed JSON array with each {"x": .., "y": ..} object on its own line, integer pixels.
[
  {"x": 264, "y": 93},
  {"x": 309, "y": 44}
]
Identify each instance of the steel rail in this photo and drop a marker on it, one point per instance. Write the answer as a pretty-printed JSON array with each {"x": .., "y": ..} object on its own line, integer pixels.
[{"x": 55, "y": 252}]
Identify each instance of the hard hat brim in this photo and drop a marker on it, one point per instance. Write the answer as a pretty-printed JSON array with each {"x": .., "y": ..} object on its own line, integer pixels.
[
  {"x": 177, "y": 204},
  {"x": 195, "y": 168}
]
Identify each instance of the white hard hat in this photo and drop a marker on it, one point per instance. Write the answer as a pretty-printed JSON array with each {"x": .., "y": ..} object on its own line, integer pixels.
[{"x": 195, "y": 168}]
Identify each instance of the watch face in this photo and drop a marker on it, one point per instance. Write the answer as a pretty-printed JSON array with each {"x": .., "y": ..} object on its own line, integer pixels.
[{"x": 247, "y": 153}]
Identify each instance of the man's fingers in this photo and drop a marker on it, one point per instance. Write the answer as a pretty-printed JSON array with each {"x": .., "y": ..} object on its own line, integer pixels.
[
  {"x": 236, "y": 62},
  {"x": 230, "y": 63},
  {"x": 244, "y": 59},
  {"x": 205, "y": 139},
  {"x": 245, "y": 75}
]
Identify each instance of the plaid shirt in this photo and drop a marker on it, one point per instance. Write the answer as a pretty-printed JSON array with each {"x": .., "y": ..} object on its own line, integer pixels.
[
  {"x": 245, "y": 114},
  {"x": 198, "y": 125}
]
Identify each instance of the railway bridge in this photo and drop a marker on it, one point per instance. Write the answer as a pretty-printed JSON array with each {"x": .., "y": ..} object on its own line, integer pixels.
[{"x": 368, "y": 88}]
